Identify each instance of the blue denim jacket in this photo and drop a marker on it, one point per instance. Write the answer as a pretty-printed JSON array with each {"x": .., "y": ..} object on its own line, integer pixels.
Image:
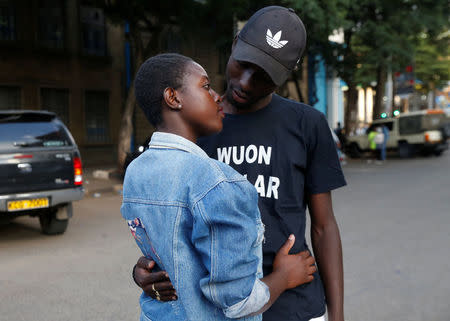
[{"x": 199, "y": 220}]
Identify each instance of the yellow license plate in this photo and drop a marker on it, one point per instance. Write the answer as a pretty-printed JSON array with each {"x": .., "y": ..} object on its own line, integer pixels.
[{"x": 27, "y": 204}]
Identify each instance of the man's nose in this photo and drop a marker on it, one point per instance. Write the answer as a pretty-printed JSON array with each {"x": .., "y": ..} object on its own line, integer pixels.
[{"x": 246, "y": 79}]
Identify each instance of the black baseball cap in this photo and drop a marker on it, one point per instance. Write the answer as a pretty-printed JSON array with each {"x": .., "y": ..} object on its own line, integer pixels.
[{"x": 274, "y": 39}]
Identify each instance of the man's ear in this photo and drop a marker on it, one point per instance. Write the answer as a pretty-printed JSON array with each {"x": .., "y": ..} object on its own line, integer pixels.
[{"x": 171, "y": 99}]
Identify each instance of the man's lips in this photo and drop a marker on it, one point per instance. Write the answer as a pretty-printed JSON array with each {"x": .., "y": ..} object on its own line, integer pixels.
[{"x": 239, "y": 96}]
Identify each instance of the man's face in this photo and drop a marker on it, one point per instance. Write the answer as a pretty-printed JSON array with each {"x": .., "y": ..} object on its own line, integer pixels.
[{"x": 246, "y": 84}]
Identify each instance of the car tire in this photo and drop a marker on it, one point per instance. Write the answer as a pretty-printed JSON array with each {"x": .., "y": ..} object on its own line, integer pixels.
[
  {"x": 354, "y": 151},
  {"x": 50, "y": 225},
  {"x": 437, "y": 152},
  {"x": 405, "y": 150}
]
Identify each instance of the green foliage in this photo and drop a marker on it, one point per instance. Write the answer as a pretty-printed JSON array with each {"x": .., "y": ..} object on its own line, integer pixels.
[
  {"x": 321, "y": 18},
  {"x": 377, "y": 32},
  {"x": 432, "y": 60}
]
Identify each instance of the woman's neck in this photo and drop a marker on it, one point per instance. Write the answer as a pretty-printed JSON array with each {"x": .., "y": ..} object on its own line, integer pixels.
[{"x": 180, "y": 131}]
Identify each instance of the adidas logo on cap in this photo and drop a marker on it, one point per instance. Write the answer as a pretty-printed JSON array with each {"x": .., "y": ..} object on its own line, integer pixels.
[{"x": 274, "y": 41}]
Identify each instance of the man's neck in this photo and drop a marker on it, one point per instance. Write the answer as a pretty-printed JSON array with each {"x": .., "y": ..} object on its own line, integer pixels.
[{"x": 229, "y": 108}]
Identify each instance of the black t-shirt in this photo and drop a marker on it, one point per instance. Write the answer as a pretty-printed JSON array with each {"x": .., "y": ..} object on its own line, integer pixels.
[{"x": 286, "y": 150}]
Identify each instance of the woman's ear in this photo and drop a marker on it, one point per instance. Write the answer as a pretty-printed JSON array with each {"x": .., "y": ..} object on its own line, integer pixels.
[{"x": 171, "y": 99}]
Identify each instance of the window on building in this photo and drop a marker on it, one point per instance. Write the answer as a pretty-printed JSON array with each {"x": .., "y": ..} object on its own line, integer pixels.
[
  {"x": 51, "y": 23},
  {"x": 7, "y": 21},
  {"x": 10, "y": 97},
  {"x": 96, "y": 110},
  {"x": 57, "y": 101},
  {"x": 93, "y": 31}
]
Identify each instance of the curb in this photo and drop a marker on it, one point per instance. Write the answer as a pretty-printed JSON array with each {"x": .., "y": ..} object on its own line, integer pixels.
[
  {"x": 99, "y": 182},
  {"x": 98, "y": 192}
]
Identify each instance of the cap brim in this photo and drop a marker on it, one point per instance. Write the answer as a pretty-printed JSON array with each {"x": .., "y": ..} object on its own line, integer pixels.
[{"x": 246, "y": 52}]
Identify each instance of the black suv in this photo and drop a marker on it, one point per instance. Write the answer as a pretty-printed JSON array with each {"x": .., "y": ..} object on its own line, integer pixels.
[{"x": 40, "y": 169}]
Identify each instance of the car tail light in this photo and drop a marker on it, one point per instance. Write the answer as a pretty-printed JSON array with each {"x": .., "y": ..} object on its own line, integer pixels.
[
  {"x": 77, "y": 171},
  {"x": 22, "y": 156}
]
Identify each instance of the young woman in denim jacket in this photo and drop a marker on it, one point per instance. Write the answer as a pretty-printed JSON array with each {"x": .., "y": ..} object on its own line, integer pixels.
[{"x": 197, "y": 217}]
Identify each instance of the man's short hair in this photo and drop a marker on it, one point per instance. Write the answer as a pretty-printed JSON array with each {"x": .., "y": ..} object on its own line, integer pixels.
[{"x": 154, "y": 76}]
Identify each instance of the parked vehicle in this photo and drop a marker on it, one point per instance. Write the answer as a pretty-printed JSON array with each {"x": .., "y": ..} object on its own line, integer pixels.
[
  {"x": 40, "y": 169},
  {"x": 423, "y": 131}
]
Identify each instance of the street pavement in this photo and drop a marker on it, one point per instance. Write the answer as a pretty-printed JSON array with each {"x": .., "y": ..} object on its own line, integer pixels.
[
  {"x": 395, "y": 226},
  {"x": 394, "y": 220}
]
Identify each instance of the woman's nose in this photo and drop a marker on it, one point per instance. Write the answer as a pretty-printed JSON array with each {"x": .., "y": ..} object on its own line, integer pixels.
[{"x": 217, "y": 98}]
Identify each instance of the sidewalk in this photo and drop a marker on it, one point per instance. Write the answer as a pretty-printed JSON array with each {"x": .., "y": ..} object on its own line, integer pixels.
[{"x": 98, "y": 182}]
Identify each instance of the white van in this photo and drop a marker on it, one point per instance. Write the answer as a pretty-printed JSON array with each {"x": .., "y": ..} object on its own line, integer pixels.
[{"x": 422, "y": 131}]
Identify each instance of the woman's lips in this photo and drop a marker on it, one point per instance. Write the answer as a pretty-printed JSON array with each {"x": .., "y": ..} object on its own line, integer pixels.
[{"x": 221, "y": 113}]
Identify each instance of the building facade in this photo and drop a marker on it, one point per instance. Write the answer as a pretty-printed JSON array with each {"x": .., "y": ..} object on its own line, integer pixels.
[
  {"x": 326, "y": 91},
  {"x": 63, "y": 56}
]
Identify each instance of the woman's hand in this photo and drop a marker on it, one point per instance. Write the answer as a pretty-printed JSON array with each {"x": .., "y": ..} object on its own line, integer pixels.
[
  {"x": 289, "y": 271},
  {"x": 296, "y": 269}
]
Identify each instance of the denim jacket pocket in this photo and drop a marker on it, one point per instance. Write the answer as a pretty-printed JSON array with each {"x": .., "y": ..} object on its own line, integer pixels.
[
  {"x": 154, "y": 310},
  {"x": 144, "y": 317}
]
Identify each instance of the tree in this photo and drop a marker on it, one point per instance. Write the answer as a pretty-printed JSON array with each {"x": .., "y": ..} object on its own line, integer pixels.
[
  {"x": 146, "y": 21},
  {"x": 380, "y": 35},
  {"x": 432, "y": 62}
]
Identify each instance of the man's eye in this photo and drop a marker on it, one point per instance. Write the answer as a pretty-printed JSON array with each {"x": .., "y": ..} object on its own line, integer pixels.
[
  {"x": 207, "y": 86},
  {"x": 266, "y": 77}
]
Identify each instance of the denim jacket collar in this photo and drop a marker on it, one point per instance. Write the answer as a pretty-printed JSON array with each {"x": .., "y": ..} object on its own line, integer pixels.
[{"x": 167, "y": 140}]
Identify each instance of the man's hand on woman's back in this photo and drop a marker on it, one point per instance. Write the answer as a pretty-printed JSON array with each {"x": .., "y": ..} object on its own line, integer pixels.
[
  {"x": 153, "y": 283},
  {"x": 296, "y": 268}
]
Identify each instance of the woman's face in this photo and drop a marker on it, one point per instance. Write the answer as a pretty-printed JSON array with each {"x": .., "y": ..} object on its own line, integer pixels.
[{"x": 200, "y": 103}]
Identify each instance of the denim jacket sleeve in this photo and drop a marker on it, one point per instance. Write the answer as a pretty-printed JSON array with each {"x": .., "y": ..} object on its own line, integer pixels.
[{"x": 227, "y": 234}]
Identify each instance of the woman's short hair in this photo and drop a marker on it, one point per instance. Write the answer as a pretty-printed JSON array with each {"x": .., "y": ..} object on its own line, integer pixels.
[{"x": 153, "y": 77}]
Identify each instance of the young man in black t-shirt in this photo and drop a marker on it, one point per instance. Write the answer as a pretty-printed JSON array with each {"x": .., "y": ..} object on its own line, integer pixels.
[{"x": 286, "y": 150}]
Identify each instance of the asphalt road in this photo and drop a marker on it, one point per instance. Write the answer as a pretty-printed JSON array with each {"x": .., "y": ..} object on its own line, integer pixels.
[
  {"x": 394, "y": 220},
  {"x": 395, "y": 225}
]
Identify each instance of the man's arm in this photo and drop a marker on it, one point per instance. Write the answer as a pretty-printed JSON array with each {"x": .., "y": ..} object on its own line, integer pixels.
[
  {"x": 327, "y": 247},
  {"x": 150, "y": 281}
]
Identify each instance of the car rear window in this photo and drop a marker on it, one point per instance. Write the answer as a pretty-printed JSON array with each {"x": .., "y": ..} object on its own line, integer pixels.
[
  {"x": 21, "y": 135},
  {"x": 410, "y": 125},
  {"x": 433, "y": 121}
]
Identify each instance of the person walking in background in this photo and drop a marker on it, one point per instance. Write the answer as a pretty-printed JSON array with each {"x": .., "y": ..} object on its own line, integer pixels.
[
  {"x": 380, "y": 142},
  {"x": 385, "y": 132},
  {"x": 372, "y": 145},
  {"x": 339, "y": 131},
  {"x": 377, "y": 143},
  {"x": 286, "y": 150}
]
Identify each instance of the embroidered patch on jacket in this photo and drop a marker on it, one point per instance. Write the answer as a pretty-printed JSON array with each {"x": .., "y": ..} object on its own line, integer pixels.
[
  {"x": 134, "y": 224},
  {"x": 142, "y": 238}
]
